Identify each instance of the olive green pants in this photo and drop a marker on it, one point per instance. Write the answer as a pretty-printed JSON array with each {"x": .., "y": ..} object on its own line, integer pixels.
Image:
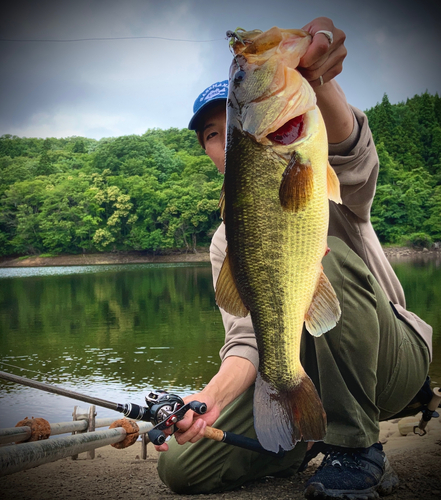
[{"x": 366, "y": 369}]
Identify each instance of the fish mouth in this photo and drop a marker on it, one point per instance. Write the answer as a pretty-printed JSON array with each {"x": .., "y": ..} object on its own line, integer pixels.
[
  {"x": 288, "y": 117},
  {"x": 290, "y": 132}
]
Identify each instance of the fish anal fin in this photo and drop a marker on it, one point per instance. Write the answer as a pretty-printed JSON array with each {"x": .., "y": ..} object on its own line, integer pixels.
[
  {"x": 282, "y": 418},
  {"x": 324, "y": 311},
  {"x": 227, "y": 295},
  {"x": 297, "y": 185},
  {"x": 333, "y": 185}
]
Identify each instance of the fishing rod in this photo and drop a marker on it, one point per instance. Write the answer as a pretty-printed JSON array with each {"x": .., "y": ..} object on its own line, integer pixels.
[{"x": 164, "y": 410}]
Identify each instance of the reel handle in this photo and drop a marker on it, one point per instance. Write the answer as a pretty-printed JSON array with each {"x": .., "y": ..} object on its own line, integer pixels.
[
  {"x": 197, "y": 407},
  {"x": 156, "y": 436}
]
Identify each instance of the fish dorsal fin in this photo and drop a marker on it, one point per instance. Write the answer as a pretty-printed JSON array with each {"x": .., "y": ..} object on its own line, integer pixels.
[
  {"x": 333, "y": 185},
  {"x": 227, "y": 294},
  {"x": 222, "y": 202},
  {"x": 297, "y": 184},
  {"x": 324, "y": 311}
]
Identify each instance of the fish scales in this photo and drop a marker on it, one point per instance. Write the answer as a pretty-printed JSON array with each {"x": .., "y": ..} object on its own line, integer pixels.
[
  {"x": 276, "y": 218},
  {"x": 274, "y": 280}
]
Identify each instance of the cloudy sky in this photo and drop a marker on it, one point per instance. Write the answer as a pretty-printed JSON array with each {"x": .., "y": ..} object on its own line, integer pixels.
[{"x": 107, "y": 88}]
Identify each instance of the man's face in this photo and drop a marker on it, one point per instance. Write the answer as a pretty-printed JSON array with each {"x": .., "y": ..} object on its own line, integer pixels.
[{"x": 214, "y": 133}]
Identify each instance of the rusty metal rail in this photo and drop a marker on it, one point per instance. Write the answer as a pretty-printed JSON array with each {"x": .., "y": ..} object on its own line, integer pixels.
[
  {"x": 15, "y": 458},
  {"x": 20, "y": 434}
]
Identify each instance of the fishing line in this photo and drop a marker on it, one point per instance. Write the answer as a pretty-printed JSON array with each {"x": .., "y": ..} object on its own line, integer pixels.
[
  {"x": 107, "y": 39},
  {"x": 49, "y": 376},
  {"x": 45, "y": 376},
  {"x": 27, "y": 369}
]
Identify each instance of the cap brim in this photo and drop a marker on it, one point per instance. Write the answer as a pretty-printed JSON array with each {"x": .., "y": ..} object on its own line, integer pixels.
[{"x": 194, "y": 121}]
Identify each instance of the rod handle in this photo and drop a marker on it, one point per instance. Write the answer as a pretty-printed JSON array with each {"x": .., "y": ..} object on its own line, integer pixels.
[
  {"x": 214, "y": 434},
  {"x": 238, "y": 440}
]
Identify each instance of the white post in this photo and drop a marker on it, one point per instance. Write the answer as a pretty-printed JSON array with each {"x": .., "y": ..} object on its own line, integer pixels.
[{"x": 91, "y": 428}]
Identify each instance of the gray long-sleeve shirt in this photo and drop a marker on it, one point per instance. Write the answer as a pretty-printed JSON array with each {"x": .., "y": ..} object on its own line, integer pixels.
[{"x": 356, "y": 163}]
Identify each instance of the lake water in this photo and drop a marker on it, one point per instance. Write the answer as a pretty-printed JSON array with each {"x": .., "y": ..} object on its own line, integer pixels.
[{"x": 117, "y": 332}]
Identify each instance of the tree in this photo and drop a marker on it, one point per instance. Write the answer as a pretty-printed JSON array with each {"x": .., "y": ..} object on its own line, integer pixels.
[
  {"x": 432, "y": 224},
  {"x": 21, "y": 215},
  {"x": 159, "y": 191}
]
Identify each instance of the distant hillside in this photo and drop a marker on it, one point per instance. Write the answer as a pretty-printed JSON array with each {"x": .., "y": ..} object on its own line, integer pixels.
[{"x": 159, "y": 191}]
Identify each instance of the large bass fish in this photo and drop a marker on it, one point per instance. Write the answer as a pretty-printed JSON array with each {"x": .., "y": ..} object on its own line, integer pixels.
[{"x": 275, "y": 209}]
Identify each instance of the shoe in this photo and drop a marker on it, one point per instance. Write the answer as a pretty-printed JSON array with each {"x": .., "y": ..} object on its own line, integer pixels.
[{"x": 352, "y": 474}]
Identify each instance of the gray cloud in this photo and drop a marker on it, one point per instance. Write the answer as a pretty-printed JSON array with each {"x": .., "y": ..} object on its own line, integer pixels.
[{"x": 110, "y": 88}]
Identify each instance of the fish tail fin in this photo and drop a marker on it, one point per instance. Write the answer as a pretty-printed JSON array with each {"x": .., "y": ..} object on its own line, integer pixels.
[{"x": 282, "y": 418}]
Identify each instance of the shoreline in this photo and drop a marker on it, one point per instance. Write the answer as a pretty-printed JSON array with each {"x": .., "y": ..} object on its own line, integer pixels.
[
  {"x": 94, "y": 259},
  {"x": 202, "y": 255}
]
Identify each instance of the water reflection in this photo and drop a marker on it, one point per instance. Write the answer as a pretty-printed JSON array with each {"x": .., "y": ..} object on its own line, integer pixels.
[
  {"x": 421, "y": 278},
  {"x": 116, "y": 332},
  {"x": 25, "y": 272}
]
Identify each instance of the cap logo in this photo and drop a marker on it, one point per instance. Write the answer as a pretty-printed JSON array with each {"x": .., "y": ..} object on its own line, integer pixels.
[{"x": 213, "y": 93}]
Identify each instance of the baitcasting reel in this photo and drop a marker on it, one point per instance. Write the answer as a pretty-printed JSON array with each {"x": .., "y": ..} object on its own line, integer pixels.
[
  {"x": 163, "y": 410},
  {"x": 167, "y": 409}
]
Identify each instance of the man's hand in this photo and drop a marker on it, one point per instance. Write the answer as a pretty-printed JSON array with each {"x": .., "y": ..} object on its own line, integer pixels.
[
  {"x": 323, "y": 59},
  {"x": 191, "y": 428},
  {"x": 322, "y": 62},
  {"x": 235, "y": 375}
]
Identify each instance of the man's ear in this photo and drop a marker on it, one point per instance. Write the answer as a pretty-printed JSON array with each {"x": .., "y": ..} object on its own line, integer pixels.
[{"x": 200, "y": 138}]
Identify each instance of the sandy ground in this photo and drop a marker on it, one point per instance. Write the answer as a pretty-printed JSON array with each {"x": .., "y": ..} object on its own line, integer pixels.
[{"x": 122, "y": 474}]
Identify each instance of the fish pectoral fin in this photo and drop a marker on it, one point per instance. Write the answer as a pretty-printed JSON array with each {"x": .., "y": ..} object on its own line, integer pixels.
[
  {"x": 297, "y": 185},
  {"x": 227, "y": 294},
  {"x": 333, "y": 185},
  {"x": 222, "y": 203},
  {"x": 324, "y": 311}
]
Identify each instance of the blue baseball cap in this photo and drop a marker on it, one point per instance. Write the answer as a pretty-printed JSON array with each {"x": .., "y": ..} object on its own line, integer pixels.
[{"x": 216, "y": 92}]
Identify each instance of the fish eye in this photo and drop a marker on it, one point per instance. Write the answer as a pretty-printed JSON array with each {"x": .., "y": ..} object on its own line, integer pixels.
[{"x": 239, "y": 76}]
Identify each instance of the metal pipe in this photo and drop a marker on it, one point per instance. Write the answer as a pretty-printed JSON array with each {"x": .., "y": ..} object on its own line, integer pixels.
[
  {"x": 19, "y": 434},
  {"x": 27, "y": 455},
  {"x": 14, "y": 434},
  {"x": 78, "y": 426}
]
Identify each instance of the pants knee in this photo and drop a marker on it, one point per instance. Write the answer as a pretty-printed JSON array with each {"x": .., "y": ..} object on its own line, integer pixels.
[{"x": 172, "y": 474}]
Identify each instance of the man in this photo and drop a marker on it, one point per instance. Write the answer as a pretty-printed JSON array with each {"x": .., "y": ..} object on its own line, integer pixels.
[{"x": 365, "y": 369}]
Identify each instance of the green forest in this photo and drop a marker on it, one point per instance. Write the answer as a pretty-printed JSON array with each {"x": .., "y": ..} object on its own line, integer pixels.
[{"x": 159, "y": 192}]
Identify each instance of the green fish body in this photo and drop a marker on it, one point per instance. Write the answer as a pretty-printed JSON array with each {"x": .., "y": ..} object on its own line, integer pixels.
[{"x": 276, "y": 213}]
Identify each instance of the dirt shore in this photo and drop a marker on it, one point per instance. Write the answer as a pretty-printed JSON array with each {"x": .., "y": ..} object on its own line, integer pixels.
[
  {"x": 202, "y": 255},
  {"x": 121, "y": 474},
  {"x": 104, "y": 258}
]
